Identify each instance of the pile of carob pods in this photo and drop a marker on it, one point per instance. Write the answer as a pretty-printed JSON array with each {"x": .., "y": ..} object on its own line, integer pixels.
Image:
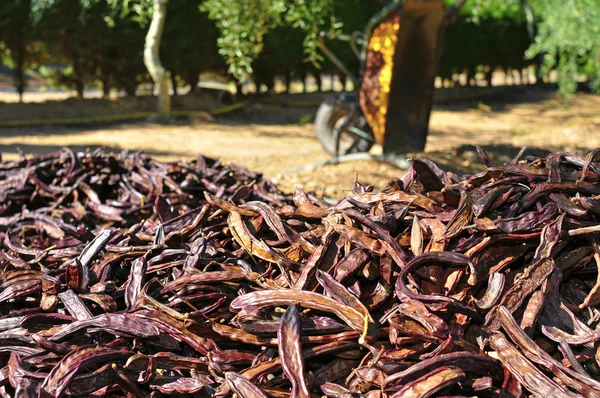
[{"x": 124, "y": 276}]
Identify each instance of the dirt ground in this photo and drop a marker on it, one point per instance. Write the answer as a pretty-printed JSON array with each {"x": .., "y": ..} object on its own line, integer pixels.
[
  {"x": 275, "y": 142},
  {"x": 61, "y": 105}
]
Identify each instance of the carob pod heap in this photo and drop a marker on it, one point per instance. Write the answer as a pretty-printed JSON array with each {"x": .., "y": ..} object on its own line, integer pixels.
[{"x": 124, "y": 276}]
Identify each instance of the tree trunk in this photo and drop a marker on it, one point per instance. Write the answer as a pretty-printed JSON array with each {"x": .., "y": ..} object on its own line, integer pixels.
[
  {"x": 174, "y": 83},
  {"x": 20, "y": 51},
  {"x": 238, "y": 89},
  {"x": 344, "y": 81},
  {"x": 129, "y": 88},
  {"x": 488, "y": 76},
  {"x": 303, "y": 77},
  {"x": 19, "y": 73},
  {"x": 270, "y": 83},
  {"x": 152, "y": 59},
  {"x": 104, "y": 78},
  {"x": 529, "y": 17},
  {"x": 319, "y": 81},
  {"x": 77, "y": 76},
  {"x": 105, "y": 87},
  {"x": 287, "y": 81},
  {"x": 193, "y": 79},
  {"x": 79, "y": 88}
]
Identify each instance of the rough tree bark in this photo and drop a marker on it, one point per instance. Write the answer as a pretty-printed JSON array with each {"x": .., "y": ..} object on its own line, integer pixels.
[{"x": 152, "y": 59}]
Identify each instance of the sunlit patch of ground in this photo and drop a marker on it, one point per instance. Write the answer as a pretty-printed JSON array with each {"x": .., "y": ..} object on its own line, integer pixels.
[{"x": 273, "y": 144}]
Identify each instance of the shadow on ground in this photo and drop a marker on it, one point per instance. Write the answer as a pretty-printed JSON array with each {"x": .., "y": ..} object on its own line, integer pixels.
[
  {"x": 253, "y": 115},
  {"x": 500, "y": 100},
  {"x": 46, "y": 149},
  {"x": 464, "y": 160},
  {"x": 542, "y": 99}
]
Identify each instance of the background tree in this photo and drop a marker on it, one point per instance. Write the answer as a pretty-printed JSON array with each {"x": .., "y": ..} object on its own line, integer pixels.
[
  {"x": 568, "y": 35},
  {"x": 119, "y": 56},
  {"x": 65, "y": 29},
  {"x": 82, "y": 49},
  {"x": 152, "y": 58},
  {"x": 189, "y": 44},
  {"x": 244, "y": 24},
  {"x": 282, "y": 56},
  {"x": 100, "y": 43},
  {"x": 15, "y": 24},
  {"x": 483, "y": 37},
  {"x": 155, "y": 12}
]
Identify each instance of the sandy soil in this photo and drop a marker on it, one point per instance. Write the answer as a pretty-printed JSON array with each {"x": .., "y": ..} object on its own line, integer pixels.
[
  {"x": 273, "y": 141},
  {"x": 54, "y": 106}
]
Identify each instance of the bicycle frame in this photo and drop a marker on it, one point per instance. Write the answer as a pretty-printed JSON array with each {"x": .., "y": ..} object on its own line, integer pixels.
[
  {"x": 357, "y": 38},
  {"x": 398, "y": 54}
]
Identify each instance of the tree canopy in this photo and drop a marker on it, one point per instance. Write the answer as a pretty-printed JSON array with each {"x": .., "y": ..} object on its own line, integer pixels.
[
  {"x": 80, "y": 43},
  {"x": 568, "y": 35},
  {"x": 244, "y": 24}
]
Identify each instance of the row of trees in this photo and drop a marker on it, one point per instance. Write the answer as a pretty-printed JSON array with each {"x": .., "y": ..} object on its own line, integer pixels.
[
  {"x": 122, "y": 43},
  {"x": 76, "y": 44}
]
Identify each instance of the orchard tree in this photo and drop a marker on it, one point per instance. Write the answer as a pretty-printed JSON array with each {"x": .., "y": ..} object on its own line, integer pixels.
[
  {"x": 189, "y": 44},
  {"x": 154, "y": 12},
  {"x": 152, "y": 58},
  {"x": 75, "y": 38},
  {"x": 101, "y": 40},
  {"x": 15, "y": 23},
  {"x": 565, "y": 35},
  {"x": 568, "y": 36},
  {"x": 244, "y": 24}
]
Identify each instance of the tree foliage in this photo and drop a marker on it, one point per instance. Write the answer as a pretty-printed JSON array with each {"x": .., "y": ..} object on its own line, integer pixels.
[
  {"x": 569, "y": 38},
  {"x": 244, "y": 24},
  {"x": 285, "y": 52},
  {"x": 483, "y": 46},
  {"x": 189, "y": 43},
  {"x": 481, "y": 10},
  {"x": 85, "y": 49},
  {"x": 100, "y": 42},
  {"x": 16, "y": 47}
]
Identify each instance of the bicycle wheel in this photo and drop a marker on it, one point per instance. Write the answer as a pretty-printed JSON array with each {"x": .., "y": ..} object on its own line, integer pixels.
[{"x": 333, "y": 115}]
